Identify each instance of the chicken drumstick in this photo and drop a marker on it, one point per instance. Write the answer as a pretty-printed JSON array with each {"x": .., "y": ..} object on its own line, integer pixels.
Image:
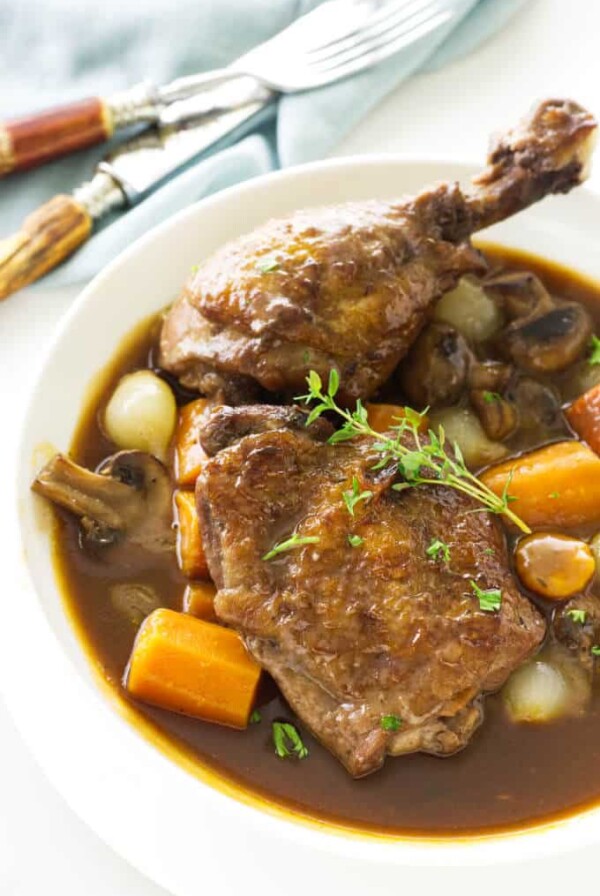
[{"x": 351, "y": 286}]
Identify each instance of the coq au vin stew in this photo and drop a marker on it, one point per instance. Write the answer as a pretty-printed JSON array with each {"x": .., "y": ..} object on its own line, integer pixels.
[{"x": 340, "y": 503}]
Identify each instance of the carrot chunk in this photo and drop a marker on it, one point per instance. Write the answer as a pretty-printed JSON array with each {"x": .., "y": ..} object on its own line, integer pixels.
[
  {"x": 199, "y": 600},
  {"x": 189, "y": 454},
  {"x": 557, "y": 485},
  {"x": 190, "y": 551},
  {"x": 584, "y": 416},
  {"x": 193, "y": 667},
  {"x": 382, "y": 416}
]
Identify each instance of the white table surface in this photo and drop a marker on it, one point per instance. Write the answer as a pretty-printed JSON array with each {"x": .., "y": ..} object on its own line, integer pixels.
[{"x": 550, "y": 48}]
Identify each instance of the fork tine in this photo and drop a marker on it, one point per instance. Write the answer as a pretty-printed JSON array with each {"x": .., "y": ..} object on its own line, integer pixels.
[
  {"x": 383, "y": 52},
  {"x": 391, "y": 12},
  {"x": 370, "y": 51}
]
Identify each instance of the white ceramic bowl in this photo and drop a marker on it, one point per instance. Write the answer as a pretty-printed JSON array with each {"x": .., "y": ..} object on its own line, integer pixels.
[{"x": 176, "y": 826}]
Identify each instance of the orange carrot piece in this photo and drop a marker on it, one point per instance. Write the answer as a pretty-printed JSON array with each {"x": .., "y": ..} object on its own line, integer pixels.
[
  {"x": 192, "y": 667},
  {"x": 584, "y": 416},
  {"x": 190, "y": 551},
  {"x": 189, "y": 454},
  {"x": 557, "y": 485},
  {"x": 382, "y": 416},
  {"x": 199, "y": 600}
]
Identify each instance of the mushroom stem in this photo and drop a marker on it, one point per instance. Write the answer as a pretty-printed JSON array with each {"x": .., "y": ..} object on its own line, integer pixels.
[{"x": 86, "y": 494}]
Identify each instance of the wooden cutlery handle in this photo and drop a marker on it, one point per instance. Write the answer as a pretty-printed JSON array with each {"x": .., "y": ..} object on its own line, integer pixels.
[
  {"x": 31, "y": 141},
  {"x": 48, "y": 236}
]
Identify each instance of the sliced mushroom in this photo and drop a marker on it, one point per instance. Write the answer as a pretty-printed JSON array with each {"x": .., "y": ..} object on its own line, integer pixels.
[
  {"x": 538, "y": 406},
  {"x": 551, "y": 342},
  {"x": 498, "y": 416},
  {"x": 521, "y": 293},
  {"x": 126, "y": 503},
  {"x": 490, "y": 375},
  {"x": 547, "y": 334},
  {"x": 435, "y": 370}
]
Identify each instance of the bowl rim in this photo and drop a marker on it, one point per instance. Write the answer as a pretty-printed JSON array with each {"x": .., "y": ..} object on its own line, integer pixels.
[{"x": 542, "y": 839}]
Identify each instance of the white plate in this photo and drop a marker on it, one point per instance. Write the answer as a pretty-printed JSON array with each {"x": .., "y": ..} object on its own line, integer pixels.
[{"x": 173, "y": 825}]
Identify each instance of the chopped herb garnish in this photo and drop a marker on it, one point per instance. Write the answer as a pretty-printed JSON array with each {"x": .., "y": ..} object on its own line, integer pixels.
[
  {"x": 306, "y": 356},
  {"x": 594, "y": 356},
  {"x": 354, "y": 496},
  {"x": 288, "y": 742},
  {"x": 596, "y": 650},
  {"x": 577, "y": 615},
  {"x": 438, "y": 549},
  {"x": 255, "y": 717},
  {"x": 554, "y": 495},
  {"x": 355, "y": 540},
  {"x": 390, "y": 723},
  {"x": 489, "y": 599},
  {"x": 294, "y": 541},
  {"x": 489, "y": 552},
  {"x": 491, "y": 397},
  {"x": 266, "y": 265},
  {"x": 426, "y": 463}
]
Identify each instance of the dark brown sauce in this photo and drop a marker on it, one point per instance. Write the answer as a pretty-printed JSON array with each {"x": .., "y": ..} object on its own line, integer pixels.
[{"x": 509, "y": 776}]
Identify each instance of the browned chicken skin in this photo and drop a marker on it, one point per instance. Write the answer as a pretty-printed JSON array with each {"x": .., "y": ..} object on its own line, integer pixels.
[
  {"x": 351, "y": 286},
  {"x": 354, "y": 634}
]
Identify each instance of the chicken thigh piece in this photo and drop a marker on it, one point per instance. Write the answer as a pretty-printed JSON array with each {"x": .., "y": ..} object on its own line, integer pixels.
[
  {"x": 380, "y": 648},
  {"x": 351, "y": 286}
]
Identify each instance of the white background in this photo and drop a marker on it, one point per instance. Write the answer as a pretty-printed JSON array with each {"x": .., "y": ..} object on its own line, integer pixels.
[{"x": 550, "y": 49}]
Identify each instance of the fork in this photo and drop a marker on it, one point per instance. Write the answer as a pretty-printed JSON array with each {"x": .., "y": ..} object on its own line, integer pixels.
[{"x": 337, "y": 39}]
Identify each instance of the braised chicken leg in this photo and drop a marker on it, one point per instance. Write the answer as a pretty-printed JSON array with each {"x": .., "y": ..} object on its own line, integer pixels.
[{"x": 351, "y": 286}]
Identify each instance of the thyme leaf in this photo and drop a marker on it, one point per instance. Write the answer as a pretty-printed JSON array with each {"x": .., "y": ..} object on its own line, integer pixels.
[
  {"x": 354, "y": 496},
  {"x": 390, "y": 722},
  {"x": 266, "y": 265},
  {"x": 294, "y": 541},
  {"x": 594, "y": 356},
  {"x": 288, "y": 742},
  {"x": 438, "y": 549},
  {"x": 490, "y": 599}
]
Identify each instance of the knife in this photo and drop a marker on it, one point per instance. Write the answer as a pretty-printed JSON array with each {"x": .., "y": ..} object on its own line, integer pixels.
[{"x": 127, "y": 175}]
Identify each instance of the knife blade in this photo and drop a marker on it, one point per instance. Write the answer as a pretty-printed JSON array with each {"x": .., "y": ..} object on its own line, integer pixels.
[{"x": 186, "y": 131}]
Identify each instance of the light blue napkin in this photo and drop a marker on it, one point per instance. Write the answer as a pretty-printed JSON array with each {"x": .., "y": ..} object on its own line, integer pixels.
[{"x": 57, "y": 50}]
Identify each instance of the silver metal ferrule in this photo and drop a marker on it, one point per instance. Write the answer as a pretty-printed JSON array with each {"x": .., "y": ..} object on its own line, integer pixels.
[
  {"x": 100, "y": 195},
  {"x": 140, "y": 103}
]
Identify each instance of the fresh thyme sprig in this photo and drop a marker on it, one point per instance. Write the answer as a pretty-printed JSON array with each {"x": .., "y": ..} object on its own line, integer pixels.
[{"x": 426, "y": 462}]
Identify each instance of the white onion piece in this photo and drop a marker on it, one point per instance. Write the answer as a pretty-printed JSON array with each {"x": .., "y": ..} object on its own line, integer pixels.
[
  {"x": 537, "y": 692},
  {"x": 470, "y": 310},
  {"x": 548, "y": 687},
  {"x": 141, "y": 414},
  {"x": 463, "y": 426}
]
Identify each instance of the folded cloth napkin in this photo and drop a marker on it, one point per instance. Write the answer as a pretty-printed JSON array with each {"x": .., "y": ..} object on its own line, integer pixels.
[{"x": 58, "y": 50}]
